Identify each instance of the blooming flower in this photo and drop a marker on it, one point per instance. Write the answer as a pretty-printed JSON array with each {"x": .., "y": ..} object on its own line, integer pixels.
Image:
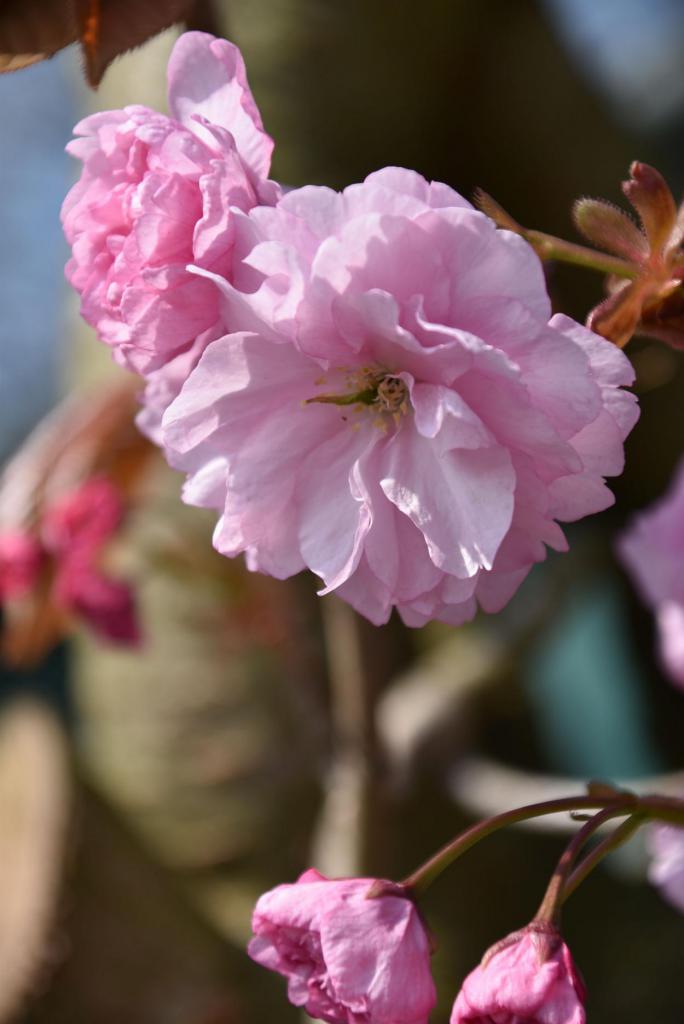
[
  {"x": 653, "y": 551},
  {"x": 156, "y": 194},
  {"x": 74, "y": 531},
  {"x": 391, "y": 405},
  {"x": 528, "y": 978},
  {"x": 666, "y": 871},
  {"x": 348, "y": 959}
]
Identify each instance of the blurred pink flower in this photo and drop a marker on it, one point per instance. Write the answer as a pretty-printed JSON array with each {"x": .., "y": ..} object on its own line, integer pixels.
[
  {"x": 347, "y": 959},
  {"x": 79, "y": 522},
  {"x": 21, "y": 557},
  {"x": 75, "y": 530},
  {"x": 653, "y": 551},
  {"x": 106, "y": 605},
  {"x": 666, "y": 845},
  {"x": 528, "y": 978},
  {"x": 157, "y": 193},
  {"x": 391, "y": 405}
]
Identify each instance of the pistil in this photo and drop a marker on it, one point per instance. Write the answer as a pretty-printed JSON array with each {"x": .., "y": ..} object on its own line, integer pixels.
[{"x": 373, "y": 389}]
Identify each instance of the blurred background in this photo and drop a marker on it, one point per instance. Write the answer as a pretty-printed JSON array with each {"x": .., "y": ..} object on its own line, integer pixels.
[{"x": 147, "y": 797}]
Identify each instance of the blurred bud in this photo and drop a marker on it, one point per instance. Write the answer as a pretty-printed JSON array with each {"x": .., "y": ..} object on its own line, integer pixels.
[
  {"x": 20, "y": 562},
  {"x": 64, "y": 498},
  {"x": 75, "y": 531}
]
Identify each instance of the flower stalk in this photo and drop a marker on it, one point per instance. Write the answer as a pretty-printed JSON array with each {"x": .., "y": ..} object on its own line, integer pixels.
[
  {"x": 612, "y": 803},
  {"x": 555, "y": 895},
  {"x": 620, "y": 835},
  {"x": 549, "y": 247}
]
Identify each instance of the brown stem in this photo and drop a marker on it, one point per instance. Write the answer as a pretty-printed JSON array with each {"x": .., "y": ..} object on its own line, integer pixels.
[
  {"x": 662, "y": 808},
  {"x": 550, "y": 906},
  {"x": 426, "y": 874},
  {"x": 345, "y": 842},
  {"x": 548, "y": 247},
  {"x": 619, "y": 836}
]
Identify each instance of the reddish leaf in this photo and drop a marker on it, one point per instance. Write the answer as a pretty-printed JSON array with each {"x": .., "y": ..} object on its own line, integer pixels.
[
  {"x": 610, "y": 228},
  {"x": 31, "y": 30},
  {"x": 616, "y": 318},
  {"x": 108, "y": 28},
  {"x": 650, "y": 195}
]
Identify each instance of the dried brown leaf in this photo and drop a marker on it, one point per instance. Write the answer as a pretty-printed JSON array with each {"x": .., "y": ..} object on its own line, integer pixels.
[{"x": 31, "y": 30}]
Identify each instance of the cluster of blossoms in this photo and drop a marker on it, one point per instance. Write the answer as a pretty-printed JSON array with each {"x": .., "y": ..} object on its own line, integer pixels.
[
  {"x": 357, "y": 950},
  {"x": 367, "y": 384},
  {"x": 352, "y": 957},
  {"x": 61, "y": 556}
]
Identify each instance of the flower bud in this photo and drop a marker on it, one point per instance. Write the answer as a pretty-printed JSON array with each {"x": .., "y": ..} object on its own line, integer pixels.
[
  {"x": 528, "y": 976},
  {"x": 347, "y": 958}
]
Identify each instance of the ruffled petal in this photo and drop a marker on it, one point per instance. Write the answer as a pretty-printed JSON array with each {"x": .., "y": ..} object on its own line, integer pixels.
[
  {"x": 462, "y": 501},
  {"x": 207, "y": 76}
]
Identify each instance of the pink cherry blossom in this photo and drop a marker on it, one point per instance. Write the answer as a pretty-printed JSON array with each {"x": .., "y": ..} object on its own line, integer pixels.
[
  {"x": 164, "y": 384},
  {"x": 75, "y": 529},
  {"x": 528, "y": 978},
  {"x": 347, "y": 959},
  {"x": 158, "y": 193},
  {"x": 653, "y": 551},
  {"x": 392, "y": 405},
  {"x": 666, "y": 845},
  {"x": 21, "y": 557}
]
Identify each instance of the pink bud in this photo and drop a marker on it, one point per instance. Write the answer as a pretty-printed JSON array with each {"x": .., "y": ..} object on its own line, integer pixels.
[
  {"x": 527, "y": 978},
  {"x": 348, "y": 959}
]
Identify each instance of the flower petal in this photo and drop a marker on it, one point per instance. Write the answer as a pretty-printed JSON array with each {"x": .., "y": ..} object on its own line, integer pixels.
[
  {"x": 462, "y": 501},
  {"x": 207, "y": 76}
]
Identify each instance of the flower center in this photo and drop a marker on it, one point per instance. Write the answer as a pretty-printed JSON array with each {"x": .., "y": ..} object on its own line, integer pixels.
[{"x": 370, "y": 388}]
